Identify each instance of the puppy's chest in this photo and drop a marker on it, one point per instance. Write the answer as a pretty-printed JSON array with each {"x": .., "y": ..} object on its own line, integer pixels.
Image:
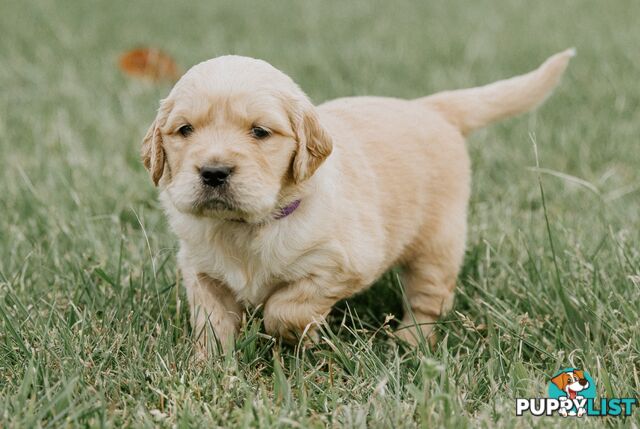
[
  {"x": 252, "y": 278},
  {"x": 252, "y": 274}
]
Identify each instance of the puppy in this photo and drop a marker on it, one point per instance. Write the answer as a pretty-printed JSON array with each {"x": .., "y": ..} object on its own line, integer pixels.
[{"x": 280, "y": 203}]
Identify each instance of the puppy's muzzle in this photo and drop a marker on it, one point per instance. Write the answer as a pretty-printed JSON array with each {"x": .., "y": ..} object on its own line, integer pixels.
[{"x": 215, "y": 175}]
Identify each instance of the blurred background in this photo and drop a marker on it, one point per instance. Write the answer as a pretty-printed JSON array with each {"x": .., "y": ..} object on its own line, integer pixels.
[{"x": 86, "y": 255}]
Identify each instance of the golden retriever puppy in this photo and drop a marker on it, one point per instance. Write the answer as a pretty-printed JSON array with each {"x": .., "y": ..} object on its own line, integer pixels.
[{"x": 280, "y": 203}]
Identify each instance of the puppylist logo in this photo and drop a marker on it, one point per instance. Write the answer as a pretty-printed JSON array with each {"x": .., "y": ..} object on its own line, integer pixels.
[{"x": 572, "y": 392}]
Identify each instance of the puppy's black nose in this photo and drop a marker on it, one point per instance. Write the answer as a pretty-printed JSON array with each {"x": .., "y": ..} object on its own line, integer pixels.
[
  {"x": 583, "y": 382},
  {"x": 215, "y": 175}
]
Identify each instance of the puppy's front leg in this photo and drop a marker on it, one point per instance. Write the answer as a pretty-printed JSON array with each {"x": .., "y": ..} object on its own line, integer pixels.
[
  {"x": 215, "y": 313},
  {"x": 293, "y": 308}
]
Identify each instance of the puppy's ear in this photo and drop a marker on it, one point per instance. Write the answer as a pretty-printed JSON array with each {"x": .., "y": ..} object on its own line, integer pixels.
[
  {"x": 152, "y": 150},
  {"x": 560, "y": 380},
  {"x": 153, "y": 153},
  {"x": 314, "y": 142}
]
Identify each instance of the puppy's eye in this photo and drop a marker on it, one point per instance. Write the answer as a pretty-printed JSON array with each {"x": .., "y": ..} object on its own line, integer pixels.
[
  {"x": 260, "y": 133},
  {"x": 185, "y": 130}
]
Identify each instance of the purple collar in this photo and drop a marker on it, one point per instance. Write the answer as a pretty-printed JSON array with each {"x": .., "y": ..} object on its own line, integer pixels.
[{"x": 286, "y": 211}]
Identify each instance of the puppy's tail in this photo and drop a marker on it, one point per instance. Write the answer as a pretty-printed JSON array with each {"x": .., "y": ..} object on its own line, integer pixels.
[{"x": 473, "y": 108}]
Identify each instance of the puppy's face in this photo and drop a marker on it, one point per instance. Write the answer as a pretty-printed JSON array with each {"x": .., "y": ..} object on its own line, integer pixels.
[{"x": 231, "y": 135}]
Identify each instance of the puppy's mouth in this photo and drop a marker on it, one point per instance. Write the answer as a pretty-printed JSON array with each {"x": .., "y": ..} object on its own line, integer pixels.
[
  {"x": 217, "y": 204},
  {"x": 220, "y": 203},
  {"x": 213, "y": 204}
]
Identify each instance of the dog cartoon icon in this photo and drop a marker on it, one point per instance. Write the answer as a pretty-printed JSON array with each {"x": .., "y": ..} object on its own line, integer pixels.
[{"x": 572, "y": 382}]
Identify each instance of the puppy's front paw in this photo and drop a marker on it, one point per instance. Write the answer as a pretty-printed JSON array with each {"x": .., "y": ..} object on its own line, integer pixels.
[
  {"x": 295, "y": 311},
  {"x": 413, "y": 334},
  {"x": 200, "y": 356},
  {"x": 291, "y": 331},
  {"x": 292, "y": 324},
  {"x": 209, "y": 343}
]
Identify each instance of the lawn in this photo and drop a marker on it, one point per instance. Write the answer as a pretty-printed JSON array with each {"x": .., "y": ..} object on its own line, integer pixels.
[{"x": 94, "y": 327}]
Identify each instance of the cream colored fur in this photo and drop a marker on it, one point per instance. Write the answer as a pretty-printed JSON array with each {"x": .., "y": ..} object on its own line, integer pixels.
[{"x": 382, "y": 181}]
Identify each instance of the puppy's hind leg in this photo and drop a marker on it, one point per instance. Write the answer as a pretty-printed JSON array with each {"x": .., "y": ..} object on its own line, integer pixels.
[{"x": 429, "y": 283}]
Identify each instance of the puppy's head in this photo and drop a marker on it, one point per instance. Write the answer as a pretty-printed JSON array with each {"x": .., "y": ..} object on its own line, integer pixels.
[{"x": 233, "y": 133}]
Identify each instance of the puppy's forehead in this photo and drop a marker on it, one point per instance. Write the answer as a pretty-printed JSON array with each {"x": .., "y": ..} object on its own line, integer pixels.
[
  {"x": 232, "y": 73},
  {"x": 234, "y": 86}
]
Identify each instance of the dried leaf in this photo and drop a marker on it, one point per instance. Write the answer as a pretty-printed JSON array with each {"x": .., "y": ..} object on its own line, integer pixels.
[{"x": 149, "y": 63}]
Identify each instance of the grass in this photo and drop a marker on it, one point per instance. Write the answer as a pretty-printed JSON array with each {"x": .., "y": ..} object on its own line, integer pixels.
[{"x": 93, "y": 323}]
